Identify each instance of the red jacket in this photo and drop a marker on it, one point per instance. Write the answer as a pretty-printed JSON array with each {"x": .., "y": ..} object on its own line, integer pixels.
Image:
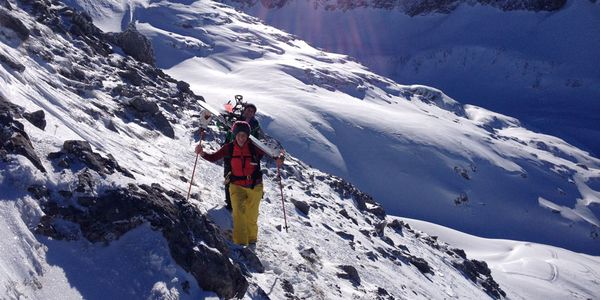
[{"x": 242, "y": 167}]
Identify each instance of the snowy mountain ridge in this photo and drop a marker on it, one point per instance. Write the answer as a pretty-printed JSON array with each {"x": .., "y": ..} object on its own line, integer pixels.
[
  {"x": 415, "y": 7},
  {"x": 138, "y": 122},
  {"x": 537, "y": 66}
]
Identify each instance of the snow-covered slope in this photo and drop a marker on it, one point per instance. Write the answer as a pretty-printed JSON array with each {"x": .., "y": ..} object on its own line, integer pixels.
[
  {"x": 538, "y": 66},
  {"x": 89, "y": 205},
  {"x": 528, "y": 271},
  {"x": 420, "y": 153},
  {"x": 92, "y": 205}
]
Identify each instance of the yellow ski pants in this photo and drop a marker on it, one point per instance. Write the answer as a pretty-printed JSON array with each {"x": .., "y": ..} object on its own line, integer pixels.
[{"x": 245, "y": 202}]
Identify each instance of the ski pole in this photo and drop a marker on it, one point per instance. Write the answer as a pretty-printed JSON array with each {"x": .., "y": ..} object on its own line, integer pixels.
[
  {"x": 195, "y": 162},
  {"x": 281, "y": 190}
]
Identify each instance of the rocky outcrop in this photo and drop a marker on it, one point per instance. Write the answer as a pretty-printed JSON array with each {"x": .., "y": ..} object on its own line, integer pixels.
[
  {"x": 13, "y": 138},
  {"x": 435, "y": 97},
  {"x": 148, "y": 96},
  {"x": 350, "y": 274},
  {"x": 37, "y": 118},
  {"x": 301, "y": 206},
  {"x": 416, "y": 7},
  {"x": 134, "y": 44},
  {"x": 195, "y": 243},
  {"x": 5, "y": 4},
  {"x": 12, "y": 63},
  {"x": 76, "y": 154},
  {"x": 363, "y": 201},
  {"x": 13, "y": 23},
  {"x": 140, "y": 108},
  {"x": 478, "y": 272}
]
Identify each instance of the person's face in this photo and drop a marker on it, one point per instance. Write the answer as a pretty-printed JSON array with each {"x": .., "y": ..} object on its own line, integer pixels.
[
  {"x": 249, "y": 113},
  {"x": 241, "y": 138}
]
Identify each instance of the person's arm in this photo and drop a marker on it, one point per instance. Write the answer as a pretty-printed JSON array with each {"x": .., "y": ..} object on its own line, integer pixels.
[{"x": 212, "y": 157}]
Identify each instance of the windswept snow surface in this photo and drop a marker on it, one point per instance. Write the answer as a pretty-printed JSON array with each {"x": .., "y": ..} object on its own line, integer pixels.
[
  {"x": 419, "y": 152},
  {"x": 527, "y": 270}
]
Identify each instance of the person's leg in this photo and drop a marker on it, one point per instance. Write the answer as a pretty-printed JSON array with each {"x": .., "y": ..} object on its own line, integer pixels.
[
  {"x": 239, "y": 199},
  {"x": 254, "y": 197}
]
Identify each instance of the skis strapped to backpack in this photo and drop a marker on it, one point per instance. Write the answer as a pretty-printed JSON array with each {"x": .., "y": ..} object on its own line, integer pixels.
[{"x": 261, "y": 145}]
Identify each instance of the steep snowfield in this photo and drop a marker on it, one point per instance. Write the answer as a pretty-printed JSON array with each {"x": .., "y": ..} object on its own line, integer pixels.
[
  {"x": 420, "y": 153},
  {"x": 527, "y": 270},
  {"x": 540, "y": 67},
  {"x": 310, "y": 101}
]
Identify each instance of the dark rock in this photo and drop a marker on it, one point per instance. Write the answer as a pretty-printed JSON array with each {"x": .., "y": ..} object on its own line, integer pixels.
[
  {"x": 87, "y": 201},
  {"x": 37, "y": 118},
  {"x": 421, "y": 264},
  {"x": 372, "y": 256},
  {"x": 110, "y": 125},
  {"x": 422, "y": 7},
  {"x": 361, "y": 199},
  {"x": 382, "y": 292},
  {"x": 13, "y": 138},
  {"x": 5, "y": 4},
  {"x": 11, "y": 63},
  {"x": 327, "y": 227},
  {"x": 85, "y": 182},
  {"x": 134, "y": 44},
  {"x": 58, "y": 228},
  {"x": 144, "y": 106},
  {"x": 8, "y": 109},
  {"x": 20, "y": 144},
  {"x": 310, "y": 255},
  {"x": 191, "y": 237},
  {"x": 345, "y": 214},
  {"x": 81, "y": 152},
  {"x": 532, "y": 5},
  {"x": 256, "y": 292},
  {"x": 459, "y": 252},
  {"x": 288, "y": 288},
  {"x": 79, "y": 75},
  {"x": 148, "y": 111},
  {"x": 12, "y": 22},
  {"x": 39, "y": 191},
  {"x": 350, "y": 273},
  {"x": 163, "y": 125},
  {"x": 479, "y": 273},
  {"x": 132, "y": 76},
  {"x": 345, "y": 236},
  {"x": 462, "y": 172},
  {"x": 397, "y": 226},
  {"x": 183, "y": 87},
  {"x": 387, "y": 240},
  {"x": 85, "y": 24},
  {"x": 301, "y": 206},
  {"x": 380, "y": 228},
  {"x": 403, "y": 248},
  {"x": 436, "y": 97},
  {"x": 251, "y": 261},
  {"x": 65, "y": 194},
  {"x": 461, "y": 199}
]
